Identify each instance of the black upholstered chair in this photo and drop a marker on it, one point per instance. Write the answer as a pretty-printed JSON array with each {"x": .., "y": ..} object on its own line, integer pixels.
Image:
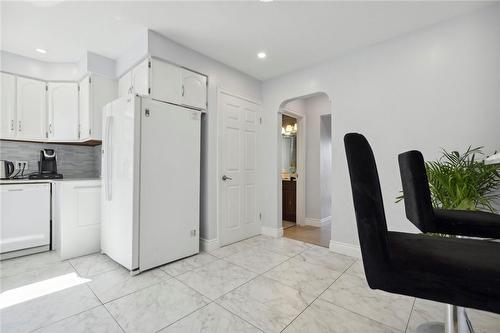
[
  {"x": 418, "y": 205},
  {"x": 463, "y": 272}
]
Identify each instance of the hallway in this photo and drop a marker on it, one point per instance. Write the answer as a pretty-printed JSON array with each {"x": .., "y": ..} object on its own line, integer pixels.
[{"x": 309, "y": 234}]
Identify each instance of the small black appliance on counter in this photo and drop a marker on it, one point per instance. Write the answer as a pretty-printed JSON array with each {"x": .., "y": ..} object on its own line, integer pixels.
[{"x": 47, "y": 166}]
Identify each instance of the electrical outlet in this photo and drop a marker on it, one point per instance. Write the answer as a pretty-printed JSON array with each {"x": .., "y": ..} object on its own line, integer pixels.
[{"x": 20, "y": 164}]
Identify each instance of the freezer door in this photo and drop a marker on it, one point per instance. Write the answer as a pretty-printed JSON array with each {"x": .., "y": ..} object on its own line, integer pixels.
[
  {"x": 118, "y": 234},
  {"x": 170, "y": 183}
]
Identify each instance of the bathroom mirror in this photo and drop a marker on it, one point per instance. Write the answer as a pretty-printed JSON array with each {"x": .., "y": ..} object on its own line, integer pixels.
[{"x": 289, "y": 154}]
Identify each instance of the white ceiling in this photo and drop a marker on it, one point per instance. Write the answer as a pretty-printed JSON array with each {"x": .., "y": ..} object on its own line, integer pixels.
[{"x": 293, "y": 34}]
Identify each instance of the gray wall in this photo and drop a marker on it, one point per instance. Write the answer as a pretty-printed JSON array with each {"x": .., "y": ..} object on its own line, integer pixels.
[
  {"x": 315, "y": 107},
  {"x": 434, "y": 88},
  {"x": 72, "y": 161},
  {"x": 325, "y": 164}
]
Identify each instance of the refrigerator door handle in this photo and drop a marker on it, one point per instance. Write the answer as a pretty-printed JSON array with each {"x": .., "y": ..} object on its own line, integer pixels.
[{"x": 109, "y": 166}]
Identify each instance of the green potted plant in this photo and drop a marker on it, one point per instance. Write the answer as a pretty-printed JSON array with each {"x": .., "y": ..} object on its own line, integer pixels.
[{"x": 460, "y": 181}]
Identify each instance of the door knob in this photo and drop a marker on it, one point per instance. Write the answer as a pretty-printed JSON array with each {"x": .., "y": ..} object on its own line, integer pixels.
[{"x": 224, "y": 178}]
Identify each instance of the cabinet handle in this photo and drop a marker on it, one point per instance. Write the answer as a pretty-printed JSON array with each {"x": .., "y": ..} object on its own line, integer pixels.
[
  {"x": 19, "y": 127},
  {"x": 12, "y": 124},
  {"x": 182, "y": 90},
  {"x": 50, "y": 128}
]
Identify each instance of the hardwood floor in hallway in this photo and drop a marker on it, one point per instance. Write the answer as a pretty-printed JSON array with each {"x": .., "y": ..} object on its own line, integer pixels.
[{"x": 309, "y": 234}]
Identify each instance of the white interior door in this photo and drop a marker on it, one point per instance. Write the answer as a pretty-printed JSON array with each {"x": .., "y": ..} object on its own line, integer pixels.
[
  {"x": 170, "y": 183},
  {"x": 239, "y": 213},
  {"x": 8, "y": 102}
]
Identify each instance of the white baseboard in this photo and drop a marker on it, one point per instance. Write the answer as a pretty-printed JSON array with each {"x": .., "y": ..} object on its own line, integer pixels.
[
  {"x": 317, "y": 222},
  {"x": 346, "y": 249},
  {"x": 272, "y": 232},
  {"x": 209, "y": 244}
]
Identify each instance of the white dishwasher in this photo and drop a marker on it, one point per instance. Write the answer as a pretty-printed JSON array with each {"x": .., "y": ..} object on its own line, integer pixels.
[{"x": 25, "y": 218}]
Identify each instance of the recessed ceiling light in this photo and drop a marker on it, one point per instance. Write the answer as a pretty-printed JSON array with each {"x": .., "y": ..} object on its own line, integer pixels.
[
  {"x": 261, "y": 55},
  {"x": 42, "y": 51}
]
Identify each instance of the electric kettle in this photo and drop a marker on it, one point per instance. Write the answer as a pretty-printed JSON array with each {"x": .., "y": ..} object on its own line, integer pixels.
[{"x": 6, "y": 169}]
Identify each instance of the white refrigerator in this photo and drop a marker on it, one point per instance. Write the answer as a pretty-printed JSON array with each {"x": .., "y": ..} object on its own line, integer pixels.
[{"x": 151, "y": 182}]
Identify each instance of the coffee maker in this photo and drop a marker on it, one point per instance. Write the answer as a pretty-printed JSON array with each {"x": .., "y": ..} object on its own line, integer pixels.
[{"x": 47, "y": 166}]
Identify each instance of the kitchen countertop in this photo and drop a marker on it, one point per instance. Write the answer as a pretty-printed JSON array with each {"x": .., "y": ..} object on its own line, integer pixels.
[{"x": 34, "y": 181}]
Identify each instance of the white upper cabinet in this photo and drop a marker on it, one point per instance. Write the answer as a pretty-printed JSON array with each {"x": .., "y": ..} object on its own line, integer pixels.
[
  {"x": 95, "y": 92},
  {"x": 125, "y": 84},
  {"x": 84, "y": 106},
  {"x": 31, "y": 109},
  {"x": 194, "y": 90},
  {"x": 63, "y": 111},
  {"x": 34, "y": 110},
  {"x": 140, "y": 78},
  {"x": 8, "y": 103},
  {"x": 166, "y": 82},
  {"x": 136, "y": 80}
]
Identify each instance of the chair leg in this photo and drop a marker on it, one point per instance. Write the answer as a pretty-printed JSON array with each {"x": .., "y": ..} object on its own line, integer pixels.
[{"x": 457, "y": 321}]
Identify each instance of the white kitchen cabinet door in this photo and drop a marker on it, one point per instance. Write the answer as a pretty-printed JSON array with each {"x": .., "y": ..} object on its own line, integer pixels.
[
  {"x": 77, "y": 217},
  {"x": 95, "y": 92},
  {"x": 194, "y": 90},
  {"x": 166, "y": 82},
  {"x": 84, "y": 108},
  {"x": 125, "y": 84},
  {"x": 31, "y": 106},
  {"x": 25, "y": 216},
  {"x": 63, "y": 111},
  {"x": 140, "y": 78},
  {"x": 8, "y": 103}
]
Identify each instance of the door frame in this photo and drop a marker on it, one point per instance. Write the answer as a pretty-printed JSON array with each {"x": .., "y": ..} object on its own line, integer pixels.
[
  {"x": 301, "y": 165},
  {"x": 220, "y": 119}
]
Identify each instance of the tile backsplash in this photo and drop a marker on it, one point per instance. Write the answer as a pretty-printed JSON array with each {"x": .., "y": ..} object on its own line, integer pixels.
[{"x": 72, "y": 161}]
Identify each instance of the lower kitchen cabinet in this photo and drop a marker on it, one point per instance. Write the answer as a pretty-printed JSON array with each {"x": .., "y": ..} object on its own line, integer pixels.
[
  {"x": 25, "y": 216},
  {"x": 77, "y": 217}
]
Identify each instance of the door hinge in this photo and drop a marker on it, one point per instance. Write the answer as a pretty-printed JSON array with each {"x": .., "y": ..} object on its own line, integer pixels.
[
  {"x": 78, "y": 87},
  {"x": 146, "y": 112},
  {"x": 260, "y": 120},
  {"x": 149, "y": 90},
  {"x": 46, "y": 134},
  {"x": 260, "y": 216},
  {"x": 193, "y": 233},
  {"x": 90, "y": 131},
  {"x": 46, "y": 87},
  {"x": 90, "y": 79},
  {"x": 149, "y": 64}
]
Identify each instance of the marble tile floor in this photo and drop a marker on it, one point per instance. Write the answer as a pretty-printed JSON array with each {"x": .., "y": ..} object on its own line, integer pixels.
[{"x": 257, "y": 285}]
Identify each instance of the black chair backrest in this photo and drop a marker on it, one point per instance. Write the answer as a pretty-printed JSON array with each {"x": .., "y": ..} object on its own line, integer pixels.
[
  {"x": 369, "y": 208},
  {"x": 417, "y": 195}
]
